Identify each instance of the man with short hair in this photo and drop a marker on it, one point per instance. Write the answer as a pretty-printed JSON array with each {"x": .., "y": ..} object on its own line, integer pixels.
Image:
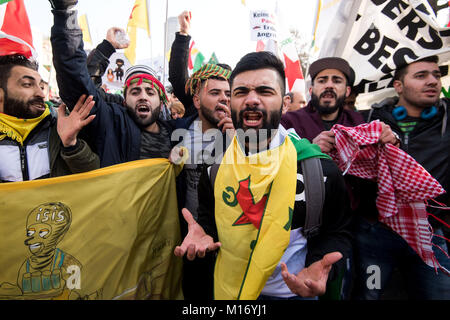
[
  {"x": 254, "y": 209},
  {"x": 331, "y": 81},
  {"x": 420, "y": 118},
  {"x": 33, "y": 143},
  {"x": 293, "y": 100}
]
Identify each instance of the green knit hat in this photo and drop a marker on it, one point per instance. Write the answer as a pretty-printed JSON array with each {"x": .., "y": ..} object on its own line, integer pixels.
[{"x": 204, "y": 73}]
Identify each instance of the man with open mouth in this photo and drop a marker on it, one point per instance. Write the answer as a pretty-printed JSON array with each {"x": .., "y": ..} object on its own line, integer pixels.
[
  {"x": 123, "y": 129},
  {"x": 252, "y": 205}
]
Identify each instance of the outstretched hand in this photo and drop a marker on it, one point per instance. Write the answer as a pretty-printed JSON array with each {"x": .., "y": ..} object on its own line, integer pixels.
[
  {"x": 69, "y": 126},
  {"x": 197, "y": 242},
  {"x": 311, "y": 281}
]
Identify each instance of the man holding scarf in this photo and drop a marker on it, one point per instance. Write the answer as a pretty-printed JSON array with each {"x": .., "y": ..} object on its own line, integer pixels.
[{"x": 255, "y": 210}]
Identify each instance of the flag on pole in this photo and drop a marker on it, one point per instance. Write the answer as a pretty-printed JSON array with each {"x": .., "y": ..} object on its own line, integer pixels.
[
  {"x": 76, "y": 237},
  {"x": 196, "y": 58},
  {"x": 292, "y": 66},
  {"x": 213, "y": 59},
  {"x": 15, "y": 30},
  {"x": 138, "y": 20},
  {"x": 84, "y": 25}
]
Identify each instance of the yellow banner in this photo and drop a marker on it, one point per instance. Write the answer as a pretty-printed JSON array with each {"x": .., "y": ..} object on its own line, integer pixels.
[
  {"x": 104, "y": 234},
  {"x": 139, "y": 16},
  {"x": 83, "y": 23}
]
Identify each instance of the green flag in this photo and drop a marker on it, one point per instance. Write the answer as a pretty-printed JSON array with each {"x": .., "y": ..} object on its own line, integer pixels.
[{"x": 213, "y": 59}]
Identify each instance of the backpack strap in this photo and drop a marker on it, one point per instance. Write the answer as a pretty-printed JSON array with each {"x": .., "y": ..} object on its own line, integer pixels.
[
  {"x": 212, "y": 170},
  {"x": 314, "y": 195}
]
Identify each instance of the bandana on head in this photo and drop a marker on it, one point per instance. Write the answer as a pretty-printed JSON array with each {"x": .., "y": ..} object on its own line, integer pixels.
[
  {"x": 204, "y": 73},
  {"x": 143, "y": 77}
]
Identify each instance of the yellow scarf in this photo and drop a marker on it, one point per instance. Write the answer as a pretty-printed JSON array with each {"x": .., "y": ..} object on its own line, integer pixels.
[
  {"x": 254, "y": 202},
  {"x": 19, "y": 129}
]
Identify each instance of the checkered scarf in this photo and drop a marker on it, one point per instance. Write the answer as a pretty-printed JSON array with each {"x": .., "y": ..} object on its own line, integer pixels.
[
  {"x": 204, "y": 73},
  {"x": 403, "y": 184}
]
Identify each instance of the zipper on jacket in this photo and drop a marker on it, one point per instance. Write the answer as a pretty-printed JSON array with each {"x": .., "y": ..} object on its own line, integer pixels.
[
  {"x": 406, "y": 141},
  {"x": 24, "y": 163}
]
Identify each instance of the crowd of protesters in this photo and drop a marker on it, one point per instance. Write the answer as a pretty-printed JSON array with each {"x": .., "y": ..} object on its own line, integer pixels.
[{"x": 319, "y": 227}]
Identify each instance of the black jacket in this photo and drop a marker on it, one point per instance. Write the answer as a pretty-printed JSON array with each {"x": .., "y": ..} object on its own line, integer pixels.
[
  {"x": 113, "y": 134},
  {"x": 178, "y": 72}
]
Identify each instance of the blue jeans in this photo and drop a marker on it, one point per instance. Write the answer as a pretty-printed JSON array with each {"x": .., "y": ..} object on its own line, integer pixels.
[{"x": 379, "y": 250}]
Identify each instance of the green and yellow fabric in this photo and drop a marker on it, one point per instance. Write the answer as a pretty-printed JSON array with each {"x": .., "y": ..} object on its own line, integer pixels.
[{"x": 254, "y": 203}]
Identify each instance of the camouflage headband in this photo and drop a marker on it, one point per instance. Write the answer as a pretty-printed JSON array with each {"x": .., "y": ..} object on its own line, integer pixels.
[{"x": 204, "y": 73}]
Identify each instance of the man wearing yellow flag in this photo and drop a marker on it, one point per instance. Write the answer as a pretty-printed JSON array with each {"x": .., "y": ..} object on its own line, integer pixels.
[{"x": 252, "y": 206}]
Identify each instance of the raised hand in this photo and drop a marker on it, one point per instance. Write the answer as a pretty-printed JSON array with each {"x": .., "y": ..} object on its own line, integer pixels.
[
  {"x": 184, "y": 20},
  {"x": 197, "y": 242},
  {"x": 311, "y": 281},
  {"x": 111, "y": 37},
  {"x": 69, "y": 126}
]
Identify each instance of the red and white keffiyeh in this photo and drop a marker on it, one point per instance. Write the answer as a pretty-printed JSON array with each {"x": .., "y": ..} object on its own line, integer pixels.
[{"x": 403, "y": 184}]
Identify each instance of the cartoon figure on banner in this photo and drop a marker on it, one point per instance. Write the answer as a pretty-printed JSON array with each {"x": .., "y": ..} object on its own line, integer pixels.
[
  {"x": 110, "y": 75},
  {"x": 49, "y": 272},
  {"x": 119, "y": 71}
]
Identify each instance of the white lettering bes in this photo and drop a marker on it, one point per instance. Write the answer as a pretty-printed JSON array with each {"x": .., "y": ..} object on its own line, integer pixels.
[
  {"x": 380, "y": 43},
  {"x": 199, "y": 310}
]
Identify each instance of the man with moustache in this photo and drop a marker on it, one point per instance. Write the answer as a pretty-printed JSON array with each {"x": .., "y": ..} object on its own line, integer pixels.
[
  {"x": 255, "y": 210},
  {"x": 203, "y": 136},
  {"x": 34, "y": 144},
  {"x": 331, "y": 80}
]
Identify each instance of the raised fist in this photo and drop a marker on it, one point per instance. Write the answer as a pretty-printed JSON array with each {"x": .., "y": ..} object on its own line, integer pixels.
[{"x": 63, "y": 4}]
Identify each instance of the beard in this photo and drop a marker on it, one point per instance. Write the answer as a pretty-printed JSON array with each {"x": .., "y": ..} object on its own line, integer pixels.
[
  {"x": 325, "y": 109},
  {"x": 209, "y": 115},
  {"x": 22, "y": 109},
  {"x": 145, "y": 122},
  {"x": 263, "y": 135}
]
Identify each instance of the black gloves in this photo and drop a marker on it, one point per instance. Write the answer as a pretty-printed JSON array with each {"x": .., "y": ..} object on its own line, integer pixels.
[{"x": 63, "y": 4}]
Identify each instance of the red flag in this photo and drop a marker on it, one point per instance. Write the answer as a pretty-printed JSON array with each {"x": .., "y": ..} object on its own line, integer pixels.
[
  {"x": 293, "y": 71},
  {"x": 15, "y": 30}
]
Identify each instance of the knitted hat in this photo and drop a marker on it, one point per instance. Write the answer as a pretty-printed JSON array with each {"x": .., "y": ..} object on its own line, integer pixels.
[
  {"x": 332, "y": 63},
  {"x": 140, "y": 73},
  {"x": 139, "y": 69},
  {"x": 204, "y": 73}
]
